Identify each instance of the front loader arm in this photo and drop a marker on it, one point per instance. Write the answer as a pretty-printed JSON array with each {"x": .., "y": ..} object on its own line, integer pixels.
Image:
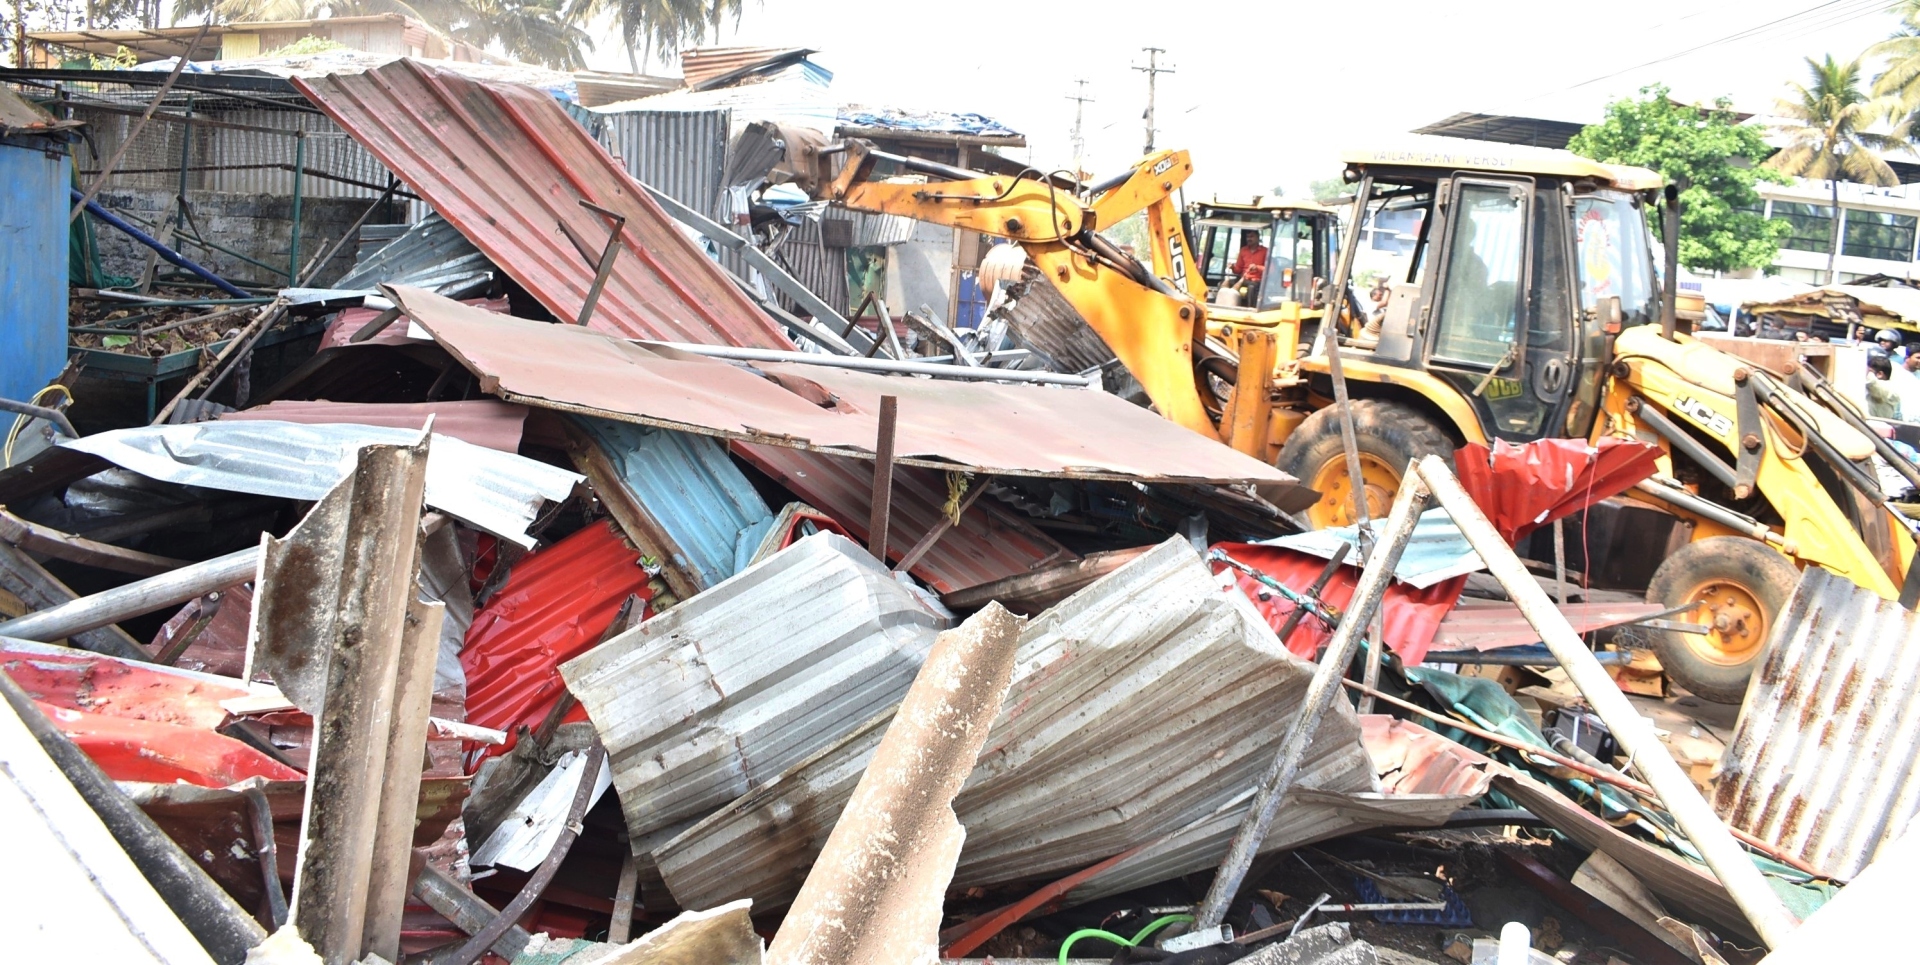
[{"x": 1151, "y": 326}]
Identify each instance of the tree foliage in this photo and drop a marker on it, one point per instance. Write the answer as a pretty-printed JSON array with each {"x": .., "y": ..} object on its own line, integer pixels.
[
  {"x": 1717, "y": 156},
  {"x": 534, "y": 31}
]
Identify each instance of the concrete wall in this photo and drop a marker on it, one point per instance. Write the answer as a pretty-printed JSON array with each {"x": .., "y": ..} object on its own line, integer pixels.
[{"x": 256, "y": 225}]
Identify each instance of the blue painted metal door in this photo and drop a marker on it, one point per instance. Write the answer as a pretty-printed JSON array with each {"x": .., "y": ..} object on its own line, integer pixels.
[{"x": 33, "y": 268}]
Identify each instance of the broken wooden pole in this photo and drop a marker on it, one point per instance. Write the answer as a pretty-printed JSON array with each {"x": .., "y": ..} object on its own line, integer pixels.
[
  {"x": 1321, "y": 694},
  {"x": 35, "y": 538},
  {"x": 21, "y": 576},
  {"x": 881, "y": 516},
  {"x": 353, "y": 561},
  {"x": 876, "y": 891},
  {"x": 1710, "y": 837},
  {"x": 134, "y": 599},
  {"x": 222, "y": 927}
]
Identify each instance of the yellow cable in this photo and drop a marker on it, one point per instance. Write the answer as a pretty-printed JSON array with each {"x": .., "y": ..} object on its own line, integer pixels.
[{"x": 20, "y": 421}]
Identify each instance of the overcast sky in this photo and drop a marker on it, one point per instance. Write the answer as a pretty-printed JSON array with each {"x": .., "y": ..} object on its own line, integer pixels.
[{"x": 1267, "y": 94}]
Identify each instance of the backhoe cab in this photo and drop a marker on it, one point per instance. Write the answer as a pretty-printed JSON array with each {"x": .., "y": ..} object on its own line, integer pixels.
[
  {"x": 1521, "y": 302},
  {"x": 1296, "y": 243}
]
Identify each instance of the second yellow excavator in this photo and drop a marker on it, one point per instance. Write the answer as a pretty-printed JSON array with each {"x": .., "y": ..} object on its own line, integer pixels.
[{"x": 1520, "y": 303}]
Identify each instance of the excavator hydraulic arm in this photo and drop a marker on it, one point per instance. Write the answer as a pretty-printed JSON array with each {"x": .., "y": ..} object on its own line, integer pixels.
[{"x": 1152, "y": 326}]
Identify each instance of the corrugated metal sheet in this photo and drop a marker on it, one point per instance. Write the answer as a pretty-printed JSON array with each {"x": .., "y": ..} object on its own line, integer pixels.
[
  {"x": 483, "y": 422},
  {"x": 710, "y": 515},
  {"x": 1042, "y": 321},
  {"x": 1823, "y": 761},
  {"x": 703, "y": 64},
  {"x": 871, "y": 229},
  {"x": 821, "y": 269},
  {"x": 1424, "y": 778},
  {"x": 681, "y": 154},
  {"x": 33, "y": 273},
  {"x": 719, "y": 694},
  {"x": 508, "y": 167},
  {"x": 556, "y": 603},
  {"x": 430, "y": 255},
  {"x": 796, "y": 96},
  {"x": 1017, "y": 430},
  {"x": 988, "y": 545},
  {"x": 1151, "y": 674}
]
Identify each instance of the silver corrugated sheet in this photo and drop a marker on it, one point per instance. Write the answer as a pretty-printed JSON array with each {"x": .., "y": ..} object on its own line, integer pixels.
[
  {"x": 499, "y": 492},
  {"x": 1141, "y": 704},
  {"x": 1823, "y": 759},
  {"x": 681, "y": 154},
  {"x": 821, "y": 269},
  {"x": 871, "y": 229},
  {"x": 736, "y": 685},
  {"x": 1043, "y": 322},
  {"x": 430, "y": 255}
]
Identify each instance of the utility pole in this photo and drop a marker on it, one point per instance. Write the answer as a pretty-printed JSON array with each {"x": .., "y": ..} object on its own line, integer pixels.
[
  {"x": 1079, "y": 99},
  {"x": 1153, "y": 70}
]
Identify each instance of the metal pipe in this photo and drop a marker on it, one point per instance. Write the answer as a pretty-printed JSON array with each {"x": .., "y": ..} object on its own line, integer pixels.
[
  {"x": 1677, "y": 437},
  {"x": 221, "y": 926},
  {"x": 1321, "y": 693},
  {"x": 468, "y": 911},
  {"x": 1823, "y": 392},
  {"x": 299, "y": 172},
  {"x": 1330, "y": 335},
  {"x": 134, "y": 599},
  {"x": 54, "y": 416},
  {"x": 889, "y": 366},
  {"x": 165, "y": 252},
  {"x": 483, "y": 939},
  {"x": 1769, "y": 395},
  {"x": 1681, "y": 499},
  {"x": 1670, "y": 287},
  {"x": 1749, "y": 889}
]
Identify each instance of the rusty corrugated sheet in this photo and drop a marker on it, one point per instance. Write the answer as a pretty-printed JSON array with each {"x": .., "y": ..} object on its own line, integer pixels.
[
  {"x": 988, "y": 545},
  {"x": 703, "y": 64},
  {"x": 1823, "y": 760},
  {"x": 507, "y": 166},
  {"x": 483, "y": 422},
  {"x": 1141, "y": 704},
  {"x": 1019, "y": 430}
]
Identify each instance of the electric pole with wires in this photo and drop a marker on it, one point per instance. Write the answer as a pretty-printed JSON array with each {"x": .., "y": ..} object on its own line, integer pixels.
[
  {"x": 1080, "y": 99},
  {"x": 1153, "y": 70}
]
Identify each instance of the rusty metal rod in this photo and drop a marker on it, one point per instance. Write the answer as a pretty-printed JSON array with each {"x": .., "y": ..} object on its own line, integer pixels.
[
  {"x": 881, "y": 516},
  {"x": 262, "y": 814},
  {"x": 1604, "y": 776},
  {"x": 542, "y": 876},
  {"x": 1319, "y": 584},
  {"x": 1710, "y": 836}
]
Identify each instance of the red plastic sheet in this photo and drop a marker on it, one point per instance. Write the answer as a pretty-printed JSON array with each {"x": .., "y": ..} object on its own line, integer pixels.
[
  {"x": 1411, "y": 616},
  {"x": 1524, "y": 487},
  {"x": 556, "y": 603}
]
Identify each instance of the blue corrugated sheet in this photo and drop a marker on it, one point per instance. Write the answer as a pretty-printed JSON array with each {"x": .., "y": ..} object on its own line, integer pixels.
[
  {"x": 695, "y": 494},
  {"x": 33, "y": 264}
]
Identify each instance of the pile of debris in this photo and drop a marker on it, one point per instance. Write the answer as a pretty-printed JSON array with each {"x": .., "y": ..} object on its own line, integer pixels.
[{"x": 347, "y": 675}]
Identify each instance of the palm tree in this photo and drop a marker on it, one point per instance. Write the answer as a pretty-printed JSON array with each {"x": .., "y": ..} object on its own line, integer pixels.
[
  {"x": 1829, "y": 139},
  {"x": 1900, "y": 81},
  {"x": 663, "y": 25}
]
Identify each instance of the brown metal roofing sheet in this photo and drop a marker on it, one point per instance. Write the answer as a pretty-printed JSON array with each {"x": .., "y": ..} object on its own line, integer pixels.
[
  {"x": 483, "y": 422},
  {"x": 979, "y": 426},
  {"x": 989, "y": 544},
  {"x": 506, "y": 165},
  {"x": 707, "y": 63}
]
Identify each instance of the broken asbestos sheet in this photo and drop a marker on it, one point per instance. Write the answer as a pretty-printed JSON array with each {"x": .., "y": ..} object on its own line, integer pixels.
[
  {"x": 499, "y": 492},
  {"x": 701, "y": 704},
  {"x": 1141, "y": 704}
]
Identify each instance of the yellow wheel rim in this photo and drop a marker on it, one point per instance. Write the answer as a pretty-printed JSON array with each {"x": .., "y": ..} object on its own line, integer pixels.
[
  {"x": 1335, "y": 486},
  {"x": 1737, "y": 623}
]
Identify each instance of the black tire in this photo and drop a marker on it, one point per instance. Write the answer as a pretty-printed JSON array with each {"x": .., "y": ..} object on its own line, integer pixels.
[
  {"x": 1389, "y": 432},
  {"x": 1742, "y": 584}
]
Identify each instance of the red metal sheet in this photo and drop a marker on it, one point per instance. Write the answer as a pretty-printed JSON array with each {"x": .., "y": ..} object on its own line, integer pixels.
[
  {"x": 1524, "y": 487},
  {"x": 707, "y": 63},
  {"x": 986, "y": 546},
  {"x": 221, "y": 647},
  {"x": 350, "y": 320},
  {"x": 505, "y": 165},
  {"x": 483, "y": 422},
  {"x": 1411, "y": 616},
  {"x": 147, "y": 750},
  {"x": 1007, "y": 429},
  {"x": 554, "y": 606},
  {"x": 98, "y": 685}
]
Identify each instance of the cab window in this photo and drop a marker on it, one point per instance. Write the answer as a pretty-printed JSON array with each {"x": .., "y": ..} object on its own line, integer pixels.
[
  {"x": 1480, "y": 307},
  {"x": 1614, "y": 255}
]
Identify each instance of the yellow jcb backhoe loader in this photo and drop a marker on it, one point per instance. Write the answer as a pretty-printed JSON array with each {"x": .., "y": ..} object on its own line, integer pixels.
[{"x": 1522, "y": 305}]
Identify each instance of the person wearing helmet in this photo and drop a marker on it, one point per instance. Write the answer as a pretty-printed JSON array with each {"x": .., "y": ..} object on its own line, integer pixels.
[{"x": 1887, "y": 342}]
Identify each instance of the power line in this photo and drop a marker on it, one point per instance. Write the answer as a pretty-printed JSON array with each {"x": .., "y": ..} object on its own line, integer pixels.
[{"x": 1819, "y": 16}]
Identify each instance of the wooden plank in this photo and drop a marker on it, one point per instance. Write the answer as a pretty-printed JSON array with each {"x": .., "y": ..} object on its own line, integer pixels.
[{"x": 400, "y": 789}]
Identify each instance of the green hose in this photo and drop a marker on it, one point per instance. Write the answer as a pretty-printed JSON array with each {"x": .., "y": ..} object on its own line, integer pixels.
[{"x": 1152, "y": 926}]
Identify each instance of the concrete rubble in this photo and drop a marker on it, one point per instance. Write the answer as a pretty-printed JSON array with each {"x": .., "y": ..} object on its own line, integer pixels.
[{"x": 541, "y": 571}]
